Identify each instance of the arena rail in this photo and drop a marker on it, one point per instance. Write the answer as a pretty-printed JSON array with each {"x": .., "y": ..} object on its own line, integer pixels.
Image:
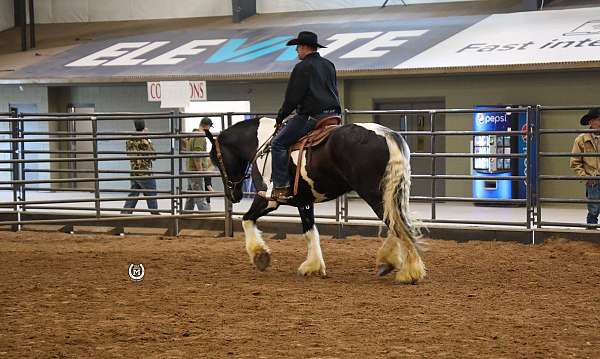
[
  {"x": 433, "y": 134},
  {"x": 68, "y": 210},
  {"x": 22, "y": 188},
  {"x": 540, "y": 134}
]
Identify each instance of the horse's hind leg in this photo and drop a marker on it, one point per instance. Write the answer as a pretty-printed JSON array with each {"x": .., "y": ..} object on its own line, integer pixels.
[
  {"x": 395, "y": 253},
  {"x": 257, "y": 249},
  {"x": 314, "y": 263}
]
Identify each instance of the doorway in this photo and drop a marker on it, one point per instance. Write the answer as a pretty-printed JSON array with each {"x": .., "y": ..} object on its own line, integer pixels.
[
  {"x": 32, "y": 150},
  {"x": 81, "y": 149},
  {"x": 417, "y": 143}
]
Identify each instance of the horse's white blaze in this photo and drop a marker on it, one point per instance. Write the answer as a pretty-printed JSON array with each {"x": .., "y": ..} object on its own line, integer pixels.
[
  {"x": 254, "y": 242},
  {"x": 314, "y": 263}
]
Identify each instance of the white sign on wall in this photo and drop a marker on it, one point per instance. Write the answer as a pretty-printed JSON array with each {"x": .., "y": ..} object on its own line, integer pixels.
[
  {"x": 571, "y": 35},
  {"x": 196, "y": 89}
]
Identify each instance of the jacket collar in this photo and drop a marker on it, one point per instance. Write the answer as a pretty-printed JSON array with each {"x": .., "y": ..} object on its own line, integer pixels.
[
  {"x": 588, "y": 137},
  {"x": 312, "y": 54}
]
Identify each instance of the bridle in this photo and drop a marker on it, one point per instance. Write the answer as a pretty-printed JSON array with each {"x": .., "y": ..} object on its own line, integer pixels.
[
  {"x": 263, "y": 149},
  {"x": 226, "y": 181}
]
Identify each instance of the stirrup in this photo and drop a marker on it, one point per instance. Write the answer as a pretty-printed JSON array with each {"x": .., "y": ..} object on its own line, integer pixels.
[{"x": 268, "y": 195}]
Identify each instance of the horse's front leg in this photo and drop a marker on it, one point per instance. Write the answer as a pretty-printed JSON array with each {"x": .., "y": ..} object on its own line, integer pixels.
[
  {"x": 257, "y": 249},
  {"x": 314, "y": 263}
]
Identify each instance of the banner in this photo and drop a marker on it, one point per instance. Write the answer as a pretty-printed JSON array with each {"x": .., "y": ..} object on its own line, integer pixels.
[{"x": 536, "y": 37}]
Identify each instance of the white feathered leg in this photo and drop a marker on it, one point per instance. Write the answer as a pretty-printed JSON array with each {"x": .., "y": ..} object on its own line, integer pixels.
[
  {"x": 257, "y": 249},
  {"x": 314, "y": 263}
]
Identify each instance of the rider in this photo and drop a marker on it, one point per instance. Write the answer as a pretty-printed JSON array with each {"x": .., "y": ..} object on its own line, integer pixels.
[{"x": 312, "y": 92}]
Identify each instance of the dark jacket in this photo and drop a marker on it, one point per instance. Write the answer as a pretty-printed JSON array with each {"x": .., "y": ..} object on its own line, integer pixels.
[{"x": 312, "y": 88}]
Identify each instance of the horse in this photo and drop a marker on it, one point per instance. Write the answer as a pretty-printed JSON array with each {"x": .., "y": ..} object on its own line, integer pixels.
[{"x": 368, "y": 158}]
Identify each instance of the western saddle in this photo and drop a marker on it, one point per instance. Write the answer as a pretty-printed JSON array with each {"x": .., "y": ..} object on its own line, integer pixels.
[{"x": 312, "y": 139}]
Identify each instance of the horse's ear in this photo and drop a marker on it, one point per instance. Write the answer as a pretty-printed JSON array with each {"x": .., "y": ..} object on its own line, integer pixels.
[{"x": 210, "y": 137}]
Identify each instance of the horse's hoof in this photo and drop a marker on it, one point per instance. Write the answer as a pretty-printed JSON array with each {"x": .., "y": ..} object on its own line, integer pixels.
[
  {"x": 262, "y": 260},
  {"x": 384, "y": 269}
]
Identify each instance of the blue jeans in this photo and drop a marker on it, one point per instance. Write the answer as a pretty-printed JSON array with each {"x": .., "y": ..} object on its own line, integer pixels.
[
  {"x": 196, "y": 184},
  {"x": 593, "y": 192},
  {"x": 142, "y": 184},
  {"x": 292, "y": 131}
]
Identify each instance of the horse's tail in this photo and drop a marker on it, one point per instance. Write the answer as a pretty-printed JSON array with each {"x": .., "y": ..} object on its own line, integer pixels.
[{"x": 396, "y": 191}]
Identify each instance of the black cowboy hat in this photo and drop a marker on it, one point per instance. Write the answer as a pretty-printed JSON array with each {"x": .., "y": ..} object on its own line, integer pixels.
[
  {"x": 592, "y": 114},
  {"x": 305, "y": 38}
]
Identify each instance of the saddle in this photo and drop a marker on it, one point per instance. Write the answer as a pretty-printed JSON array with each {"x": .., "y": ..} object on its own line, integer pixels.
[{"x": 312, "y": 139}]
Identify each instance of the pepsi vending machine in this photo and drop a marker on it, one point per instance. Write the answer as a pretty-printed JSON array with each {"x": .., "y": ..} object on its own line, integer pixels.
[{"x": 500, "y": 144}]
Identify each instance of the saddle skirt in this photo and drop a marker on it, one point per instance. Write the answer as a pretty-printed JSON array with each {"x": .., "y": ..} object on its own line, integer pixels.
[
  {"x": 312, "y": 139},
  {"x": 299, "y": 150}
]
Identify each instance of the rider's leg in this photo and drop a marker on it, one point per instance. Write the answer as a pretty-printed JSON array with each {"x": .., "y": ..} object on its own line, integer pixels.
[{"x": 296, "y": 127}]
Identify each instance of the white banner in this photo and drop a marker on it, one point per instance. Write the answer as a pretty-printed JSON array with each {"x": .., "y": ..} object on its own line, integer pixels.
[
  {"x": 191, "y": 90},
  {"x": 520, "y": 38}
]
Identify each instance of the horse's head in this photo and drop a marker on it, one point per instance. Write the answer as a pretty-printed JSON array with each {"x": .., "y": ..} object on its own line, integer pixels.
[{"x": 232, "y": 151}]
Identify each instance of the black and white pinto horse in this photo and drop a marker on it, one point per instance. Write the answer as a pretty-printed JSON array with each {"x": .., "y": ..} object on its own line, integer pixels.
[{"x": 365, "y": 157}]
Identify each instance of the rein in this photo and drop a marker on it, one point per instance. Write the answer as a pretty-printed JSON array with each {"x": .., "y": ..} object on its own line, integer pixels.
[
  {"x": 230, "y": 184},
  {"x": 262, "y": 150}
]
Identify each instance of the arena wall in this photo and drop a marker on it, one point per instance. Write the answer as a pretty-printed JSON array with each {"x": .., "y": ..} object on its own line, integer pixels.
[
  {"x": 68, "y": 11},
  {"x": 465, "y": 91},
  {"x": 7, "y": 19}
]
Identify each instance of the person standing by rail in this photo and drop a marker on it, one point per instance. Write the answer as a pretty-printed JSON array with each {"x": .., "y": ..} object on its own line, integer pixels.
[
  {"x": 197, "y": 164},
  {"x": 141, "y": 167},
  {"x": 586, "y": 166}
]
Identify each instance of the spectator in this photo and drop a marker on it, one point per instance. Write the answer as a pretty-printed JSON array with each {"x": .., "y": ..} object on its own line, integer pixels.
[
  {"x": 586, "y": 166},
  {"x": 141, "y": 167},
  {"x": 198, "y": 164}
]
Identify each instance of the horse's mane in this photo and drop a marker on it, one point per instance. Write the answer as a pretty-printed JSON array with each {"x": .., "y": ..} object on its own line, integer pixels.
[
  {"x": 240, "y": 126},
  {"x": 245, "y": 125}
]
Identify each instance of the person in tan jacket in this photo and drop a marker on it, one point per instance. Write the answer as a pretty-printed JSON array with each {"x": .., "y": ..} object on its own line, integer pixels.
[{"x": 586, "y": 166}]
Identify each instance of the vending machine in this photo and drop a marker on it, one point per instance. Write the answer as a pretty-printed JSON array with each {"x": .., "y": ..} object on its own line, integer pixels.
[{"x": 500, "y": 144}]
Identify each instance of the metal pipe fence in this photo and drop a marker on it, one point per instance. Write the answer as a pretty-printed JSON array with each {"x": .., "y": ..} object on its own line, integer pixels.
[
  {"x": 433, "y": 116},
  {"x": 542, "y": 133},
  {"x": 88, "y": 170},
  {"x": 93, "y": 169}
]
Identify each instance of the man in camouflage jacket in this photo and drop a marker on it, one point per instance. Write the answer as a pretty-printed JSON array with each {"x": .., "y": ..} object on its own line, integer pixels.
[
  {"x": 141, "y": 167},
  {"x": 198, "y": 164}
]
